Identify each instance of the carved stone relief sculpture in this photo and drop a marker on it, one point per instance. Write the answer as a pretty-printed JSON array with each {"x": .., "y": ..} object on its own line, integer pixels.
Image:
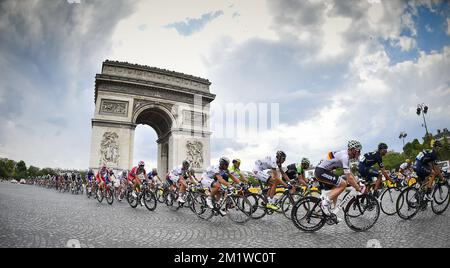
[
  {"x": 195, "y": 153},
  {"x": 109, "y": 149}
]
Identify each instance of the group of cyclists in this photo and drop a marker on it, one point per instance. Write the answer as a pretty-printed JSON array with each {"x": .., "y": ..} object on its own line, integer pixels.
[{"x": 272, "y": 175}]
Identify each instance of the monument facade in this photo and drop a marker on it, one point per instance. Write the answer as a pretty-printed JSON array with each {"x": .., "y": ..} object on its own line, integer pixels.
[{"x": 175, "y": 105}]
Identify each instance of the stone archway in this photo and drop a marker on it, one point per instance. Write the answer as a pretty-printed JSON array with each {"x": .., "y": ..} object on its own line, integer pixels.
[{"x": 175, "y": 105}]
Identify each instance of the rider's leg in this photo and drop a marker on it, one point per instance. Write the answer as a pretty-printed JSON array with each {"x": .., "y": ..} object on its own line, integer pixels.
[
  {"x": 183, "y": 185},
  {"x": 215, "y": 191},
  {"x": 337, "y": 191},
  {"x": 138, "y": 185},
  {"x": 431, "y": 179},
  {"x": 273, "y": 188},
  {"x": 379, "y": 181}
]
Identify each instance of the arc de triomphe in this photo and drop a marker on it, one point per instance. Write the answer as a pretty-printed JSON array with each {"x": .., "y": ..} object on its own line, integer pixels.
[{"x": 174, "y": 104}]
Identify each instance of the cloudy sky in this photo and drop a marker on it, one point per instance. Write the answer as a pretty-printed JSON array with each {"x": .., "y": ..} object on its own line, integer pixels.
[{"x": 339, "y": 70}]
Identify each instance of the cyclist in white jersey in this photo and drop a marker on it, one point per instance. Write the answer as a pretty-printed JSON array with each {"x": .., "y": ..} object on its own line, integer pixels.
[
  {"x": 216, "y": 176},
  {"x": 178, "y": 177},
  {"x": 406, "y": 169},
  {"x": 330, "y": 181},
  {"x": 268, "y": 170}
]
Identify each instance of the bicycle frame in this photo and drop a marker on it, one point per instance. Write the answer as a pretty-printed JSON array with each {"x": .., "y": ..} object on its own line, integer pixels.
[{"x": 350, "y": 193}]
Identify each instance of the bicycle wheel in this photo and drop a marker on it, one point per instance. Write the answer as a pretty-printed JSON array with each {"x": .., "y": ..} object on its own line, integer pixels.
[
  {"x": 362, "y": 212},
  {"x": 235, "y": 211},
  {"x": 201, "y": 208},
  {"x": 88, "y": 192},
  {"x": 189, "y": 199},
  {"x": 288, "y": 202},
  {"x": 150, "y": 200},
  {"x": 160, "y": 196},
  {"x": 121, "y": 195},
  {"x": 109, "y": 196},
  {"x": 99, "y": 195},
  {"x": 388, "y": 201},
  {"x": 441, "y": 198},
  {"x": 408, "y": 203},
  {"x": 133, "y": 201},
  {"x": 196, "y": 205},
  {"x": 258, "y": 204},
  {"x": 173, "y": 204},
  {"x": 307, "y": 215},
  {"x": 245, "y": 204}
]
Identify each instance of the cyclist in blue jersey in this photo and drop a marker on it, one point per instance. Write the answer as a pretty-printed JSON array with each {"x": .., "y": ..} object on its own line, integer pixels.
[{"x": 427, "y": 167}]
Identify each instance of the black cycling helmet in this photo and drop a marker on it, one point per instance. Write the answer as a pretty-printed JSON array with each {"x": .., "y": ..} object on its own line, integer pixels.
[
  {"x": 281, "y": 155},
  {"x": 382, "y": 146},
  {"x": 186, "y": 164},
  {"x": 224, "y": 161},
  {"x": 436, "y": 143}
]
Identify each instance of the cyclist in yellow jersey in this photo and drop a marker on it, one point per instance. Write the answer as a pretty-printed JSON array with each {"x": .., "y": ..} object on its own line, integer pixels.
[{"x": 236, "y": 171}]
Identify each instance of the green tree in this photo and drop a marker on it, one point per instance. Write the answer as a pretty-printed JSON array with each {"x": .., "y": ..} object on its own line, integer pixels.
[
  {"x": 412, "y": 149},
  {"x": 444, "y": 153},
  {"x": 20, "y": 170},
  {"x": 33, "y": 171},
  {"x": 393, "y": 160},
  {"x": 3, "y": 170},
  {"x": 10, "y": 165},
  {"x": 46, "y": 171}
]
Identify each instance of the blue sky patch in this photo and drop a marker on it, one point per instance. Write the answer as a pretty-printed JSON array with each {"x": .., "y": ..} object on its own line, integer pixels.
[
  {"x": 191, "y": 26},
  {"x": 427, "y": 20},
  {"x": 431, "y": 25}
]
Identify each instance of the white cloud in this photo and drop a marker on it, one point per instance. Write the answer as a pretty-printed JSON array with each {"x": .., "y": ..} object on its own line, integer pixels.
[
  {"x": 406, "y": 43},
  {"x": 333, "y": 43},
  {"x": 165, "y": 48}
]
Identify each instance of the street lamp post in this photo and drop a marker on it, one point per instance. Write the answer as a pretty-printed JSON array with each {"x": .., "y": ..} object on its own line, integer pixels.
[
  {"x": 423, "y": 109},
  {"x": 403, "y": 135}
]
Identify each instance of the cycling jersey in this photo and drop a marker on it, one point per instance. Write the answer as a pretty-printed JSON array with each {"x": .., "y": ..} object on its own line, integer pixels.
[
  {"x": 209, "y": 177},
  {"x": 235, "y": 171},
  {"x": 212, "y": 172},
  {"x": 151, "y": 175},
  {"x": 175, "y": 174},
  {"x": 294, "y": 170},
  {"x": 366, "y": 164},
  {"x": 265, "y": 164},
  {"x": 370, "y": 159},
  {"x": 135, "y": 172},
  {"x": 426, "y": 157},
  {"x": 179, "y": 171},
  {"x": 90, "y": 176},
  {"x": 335, "y": 160},
  {"x": 404, "y": 166},
  {"x": 102, "y": 175},
  {"x": 423, "y": 163}
]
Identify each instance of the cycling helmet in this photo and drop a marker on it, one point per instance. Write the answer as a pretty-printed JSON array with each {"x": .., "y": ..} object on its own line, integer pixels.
[
  {"x": 238, "y": 161},
  {"x": 408, "y": 161},
  {"x": 354, "y": 145},
  {"x": 281, "y": 155},
  {"x": 186, "y": 164},
  {"x": 141, "y": 164},
  {"x": 306, "y": 162},
  {"x": 382, "y": 146},
  {"x": 435, "y": 143},
  {"x": 224, "y": 161}
]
